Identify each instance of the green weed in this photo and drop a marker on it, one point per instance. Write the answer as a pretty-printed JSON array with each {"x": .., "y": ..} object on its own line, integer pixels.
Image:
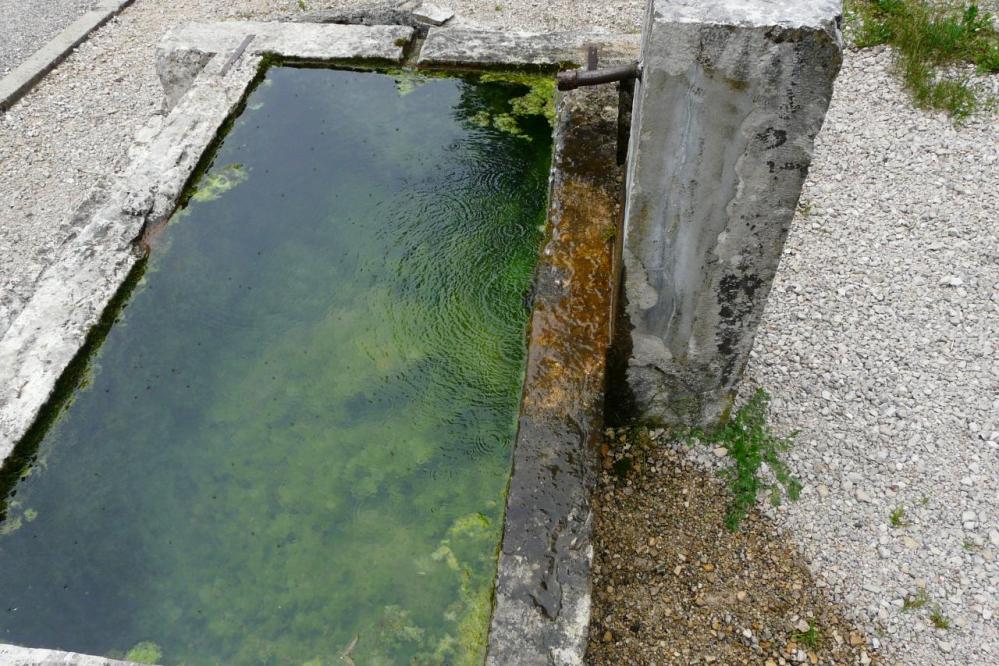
[
  {"x": 928, "y": 38},
  {"x": 939, "y": 620},
  {"x": 897, "y": 518},
  {"x": 750, "y": 443},
  {"x": 811, "y": 639},
  {"x": 915, "y": 601}
]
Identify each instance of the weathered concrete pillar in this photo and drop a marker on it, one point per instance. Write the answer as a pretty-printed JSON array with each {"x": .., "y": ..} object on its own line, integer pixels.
[{"x": 732, "y": 95}]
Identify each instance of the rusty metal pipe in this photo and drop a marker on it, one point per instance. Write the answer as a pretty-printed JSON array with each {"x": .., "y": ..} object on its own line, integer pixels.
[{"x": 571, "y": 79}]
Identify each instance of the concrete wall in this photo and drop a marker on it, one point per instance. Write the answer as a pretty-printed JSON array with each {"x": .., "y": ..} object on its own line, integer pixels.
[{"x": 731, "y": 97}]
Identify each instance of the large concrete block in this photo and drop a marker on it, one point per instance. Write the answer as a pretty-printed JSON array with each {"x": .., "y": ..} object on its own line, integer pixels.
[{"x": 731, "y": 97}]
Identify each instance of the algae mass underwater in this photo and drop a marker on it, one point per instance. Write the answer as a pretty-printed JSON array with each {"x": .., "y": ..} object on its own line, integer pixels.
[{"x": 293, "y": 445}]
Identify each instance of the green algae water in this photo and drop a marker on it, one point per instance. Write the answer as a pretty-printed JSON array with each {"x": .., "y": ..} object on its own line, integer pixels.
[{"x": 293, "y": 445}]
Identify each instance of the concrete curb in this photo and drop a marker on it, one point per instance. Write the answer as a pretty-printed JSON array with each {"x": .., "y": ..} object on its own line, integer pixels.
[{"x": 16, "y": 85}]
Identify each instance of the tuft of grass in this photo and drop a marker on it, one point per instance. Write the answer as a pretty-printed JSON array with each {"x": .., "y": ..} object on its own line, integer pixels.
[
  {"x": 915, "y": 601},
  {"x": 927, "y": 38},
  {"x": 750, "y": 443},
  {"x": 610, "y": 233},
  {"x": 811, "y": 639},
  {"x": 939, "y": 620},
  {"x": 897, "y": 517}
]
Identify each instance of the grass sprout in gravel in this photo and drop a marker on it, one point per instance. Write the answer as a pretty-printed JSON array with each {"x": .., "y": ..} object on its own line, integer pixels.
[
  {"x": 748, "y": 441},
  {"x": 929, "y": 37}
]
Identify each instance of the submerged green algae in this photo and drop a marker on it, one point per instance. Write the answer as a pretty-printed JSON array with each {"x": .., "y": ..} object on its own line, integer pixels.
[{"x": 296, "y": 441}]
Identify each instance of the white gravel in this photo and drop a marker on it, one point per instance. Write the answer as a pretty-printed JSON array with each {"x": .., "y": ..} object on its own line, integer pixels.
[
  {"x": 879, "y": 342},
  {"x": 29, "y": 24}
]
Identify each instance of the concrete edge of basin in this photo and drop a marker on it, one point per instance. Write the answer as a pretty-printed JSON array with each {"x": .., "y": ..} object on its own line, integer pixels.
[
  {"x": 184, "y": 50},
  {"x": 13, "y": 655},
  {"x": 542, "y": 605},
  {"x": 25, "y": 76}
]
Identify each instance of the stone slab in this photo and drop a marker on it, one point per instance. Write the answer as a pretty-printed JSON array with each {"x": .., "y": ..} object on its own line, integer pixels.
[
  {"x": 482, "y": 48},
  {"x": 14, "y": 655},
  {"x": 731, "y": 97},
  {"x": 184, "y": 50},
  {"x": 749, "y": 13},
  {"x": 24, "y": 77}
]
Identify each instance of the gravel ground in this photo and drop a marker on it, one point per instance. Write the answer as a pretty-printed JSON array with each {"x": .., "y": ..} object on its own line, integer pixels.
[
  {"x": 878, "y": 343},
  {"x": 673, "y": 586},
  {"x": 29, "y": 24}
]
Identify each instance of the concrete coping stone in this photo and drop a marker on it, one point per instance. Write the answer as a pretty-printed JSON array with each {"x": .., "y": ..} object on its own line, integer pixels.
[
  {"x": 460, "y": 46},
  {"x": 749, "y": 13},
  {"x": 25, "y": 76},
  {"x": 319, "y": 41}
]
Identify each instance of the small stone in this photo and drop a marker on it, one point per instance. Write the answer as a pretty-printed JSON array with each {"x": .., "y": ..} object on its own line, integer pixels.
[
  {"x": 608, "y": 636},
  {"x": 951, "y": 281},
  {"x": 708, "y": 567},
  {"x": 802, "y": 625},
  {"x": 433, "y": 14},
  {"x": 856, "y": 639},
  {"x": 741, "y": 595},
  {"x": 720, "y": 451}
]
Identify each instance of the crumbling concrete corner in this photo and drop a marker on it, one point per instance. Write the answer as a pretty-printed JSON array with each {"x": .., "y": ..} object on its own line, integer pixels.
[{"x": 731, "y": 98}]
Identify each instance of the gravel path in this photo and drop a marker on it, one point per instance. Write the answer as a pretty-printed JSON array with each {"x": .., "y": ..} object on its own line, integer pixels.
[
  {"x": 29, "y": 24},
  {"x": 879, "y": 342},
  {"x": 881, "y": 345}
]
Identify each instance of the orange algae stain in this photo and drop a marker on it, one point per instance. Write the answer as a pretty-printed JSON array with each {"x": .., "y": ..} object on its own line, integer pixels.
[{"x": 570, "y": 337}]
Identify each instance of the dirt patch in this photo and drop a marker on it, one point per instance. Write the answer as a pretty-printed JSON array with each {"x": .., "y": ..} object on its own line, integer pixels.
[{"x": 672, "y": 585}]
